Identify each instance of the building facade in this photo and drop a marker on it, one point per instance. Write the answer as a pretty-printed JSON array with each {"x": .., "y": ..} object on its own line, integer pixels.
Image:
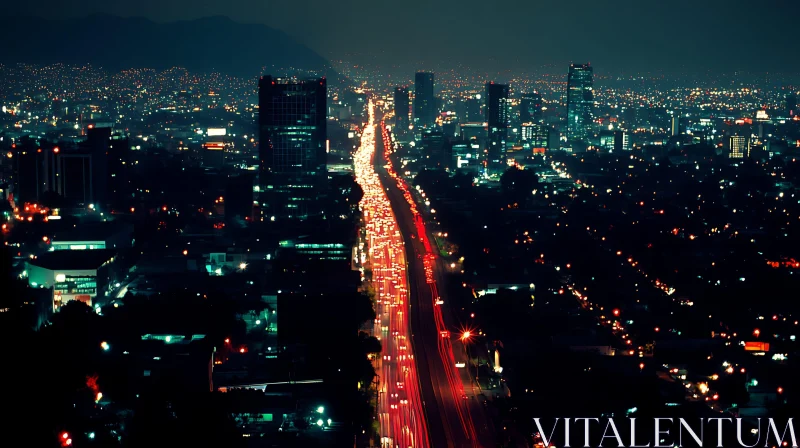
[
  {"x": 424, "y": 101},
  {"x": 738, "y": 147},
  {"x": 530, "y": 108},
  {"x": 497, "y": 117},
  {"x": 401, "y": 110},
  {"x": 292, "y": 146},
  {"x": 580, "y": 102}
]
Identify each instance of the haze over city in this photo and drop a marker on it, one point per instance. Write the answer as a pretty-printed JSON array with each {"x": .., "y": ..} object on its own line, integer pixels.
[{"x": 626, "y": 36}]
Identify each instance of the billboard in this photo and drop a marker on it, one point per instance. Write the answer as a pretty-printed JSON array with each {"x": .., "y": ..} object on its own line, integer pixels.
[
  {"x": 212, "y": 132},
  {"x": 756, "y": 346}
]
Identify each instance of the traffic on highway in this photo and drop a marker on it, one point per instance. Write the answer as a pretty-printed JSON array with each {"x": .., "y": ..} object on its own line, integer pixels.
[
  {"x": 451, "y": 420},
  {"x": 400, "y": 406}
]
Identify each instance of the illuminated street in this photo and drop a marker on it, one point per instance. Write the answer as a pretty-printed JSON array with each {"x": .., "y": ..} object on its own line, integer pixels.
[
  {"x": 400, "y": 407},
  {"x": 453, "y": 414}
]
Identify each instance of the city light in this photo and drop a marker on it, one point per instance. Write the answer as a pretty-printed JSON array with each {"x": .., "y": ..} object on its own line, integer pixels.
[
  {"x": 667, "y": 185},
  {"x": 386, "y": 255}
]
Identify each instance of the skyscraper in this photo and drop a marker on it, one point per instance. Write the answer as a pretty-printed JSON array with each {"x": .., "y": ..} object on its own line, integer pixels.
[
  {"x": 530, "y": 108},
  {"x": 791, "y": 105},
  {"x": 424, "y": 101},
  {"x": 580, "y": 102},
  {"x": 107, "y": 151},
  {"x": 497, "y": 120},
  {"x": 292, "y": 146},
  {"x": 434, "y": 147},
  {"x": 401, "y": 110},
  {"x": 472, "y": 109}
]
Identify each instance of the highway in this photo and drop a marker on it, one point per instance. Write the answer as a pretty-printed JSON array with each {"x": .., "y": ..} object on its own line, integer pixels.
[
  {"x": 400, "y": 406},
  {"x": 454, "y": 412}
]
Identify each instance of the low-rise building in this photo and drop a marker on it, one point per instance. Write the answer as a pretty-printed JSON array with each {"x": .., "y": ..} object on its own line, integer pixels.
[{"x": 72, "y": 275}]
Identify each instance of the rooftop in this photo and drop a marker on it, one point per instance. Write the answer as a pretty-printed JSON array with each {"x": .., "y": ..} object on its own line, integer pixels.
[
  {"x": 73, "y": 259},
  {"x": 95, "y": 231}
]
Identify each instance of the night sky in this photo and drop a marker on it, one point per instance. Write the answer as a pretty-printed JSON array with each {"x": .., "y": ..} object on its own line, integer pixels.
[{"x": 622, "y": 36}]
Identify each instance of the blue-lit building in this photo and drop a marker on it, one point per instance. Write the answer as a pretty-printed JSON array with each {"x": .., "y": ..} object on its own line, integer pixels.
[{"x": 580, "y": 102}]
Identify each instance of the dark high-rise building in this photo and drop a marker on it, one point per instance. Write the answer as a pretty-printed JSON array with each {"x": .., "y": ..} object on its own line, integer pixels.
[
  {"x": 34, "y": 171},
  {"x": 580, "y": 102},
  {"x": 424, "y": 101},
  {"x": 472, "y": 110},
  {"x": 292, "y": 146},
  {"x": 434, "y": 145},
  {"x": 75, "y": 180},
  {"x": 401, "y": 109},
  {"x": 107, "y": 151},
  {"x": 791, "y": 105},
  {"x": 239, "y": 198},
  {"x": 530, "y": 108},
  {"x": 98, "y": 144},
  {"x": 92, "y": 174},
  {"x": 497, "y": 120}
]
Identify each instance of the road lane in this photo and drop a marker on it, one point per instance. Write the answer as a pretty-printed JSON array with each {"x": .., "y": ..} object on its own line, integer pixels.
[
  {"x": 401, "y": 412},
  {"x": 451, "y": 424}
]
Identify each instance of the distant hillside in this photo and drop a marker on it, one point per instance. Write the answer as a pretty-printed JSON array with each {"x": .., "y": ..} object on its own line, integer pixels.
[{"x": 212, "y": 43}]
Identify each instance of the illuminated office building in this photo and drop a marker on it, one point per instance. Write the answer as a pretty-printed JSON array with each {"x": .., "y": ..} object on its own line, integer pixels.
[
  {"x": 580, "y": 102},
  {"x": 535, "y": 135},
  {"x": 738, "y": 147}
]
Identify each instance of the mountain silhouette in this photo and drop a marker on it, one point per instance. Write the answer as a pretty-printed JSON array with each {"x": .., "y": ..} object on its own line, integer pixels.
[{"x": 115, "y": 43}]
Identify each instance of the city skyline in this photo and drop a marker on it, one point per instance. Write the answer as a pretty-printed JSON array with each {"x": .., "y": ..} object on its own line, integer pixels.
[{"x": 466, "y": 224}]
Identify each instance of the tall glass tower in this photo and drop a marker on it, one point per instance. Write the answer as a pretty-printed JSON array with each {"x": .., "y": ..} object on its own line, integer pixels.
[
  {"x": 580, "y": 102},
  {"x": 424, "y": 101},
  {"x": 292, "y": 146},
  {"x": 497, "y": 120}
]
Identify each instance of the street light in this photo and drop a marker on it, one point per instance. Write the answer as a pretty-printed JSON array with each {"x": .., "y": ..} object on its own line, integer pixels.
[{"x": 465, "y": 338}]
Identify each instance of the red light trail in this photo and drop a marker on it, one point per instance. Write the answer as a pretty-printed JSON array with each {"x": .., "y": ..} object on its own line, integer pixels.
[
  {"x": 445, "y": 346},
  {"x": 400, "y": 409}
]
